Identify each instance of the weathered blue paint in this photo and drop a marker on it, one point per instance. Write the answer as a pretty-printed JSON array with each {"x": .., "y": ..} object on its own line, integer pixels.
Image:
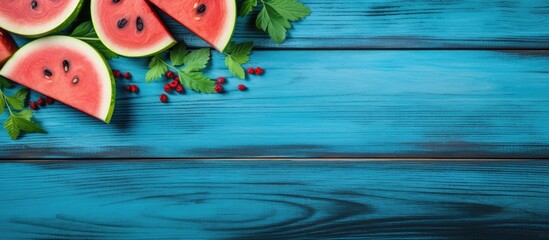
[
  {"x": 361, "y": 24},
  {"x": 321, "y": 104},
  {"x": 274, "y": 200}
]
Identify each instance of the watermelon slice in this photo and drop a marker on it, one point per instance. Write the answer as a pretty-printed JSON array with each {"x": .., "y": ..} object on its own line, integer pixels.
[
  {"x": 211, "y": 20},
  {"x": 130, "y": 27},
  {"x": 68, "y": 70},
  {"x": 36, "y": 18},
  {"x": 7, "y": 46}
]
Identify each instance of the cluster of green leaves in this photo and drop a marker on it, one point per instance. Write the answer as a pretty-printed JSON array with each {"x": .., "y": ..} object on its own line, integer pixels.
[
  {"x": 236, "y": 55},
  {"x": 187, "y": 64},
  {"x": 19, "y": 120},
  {"x": 86, "y": 33},
  {"x": 276, "y": 15}
]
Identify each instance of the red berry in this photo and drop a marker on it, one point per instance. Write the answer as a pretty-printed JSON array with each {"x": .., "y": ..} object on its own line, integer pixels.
[
  {"x": 134, "y": 89},
  {"x": 167, "y": 88},
  {"x": 180, "y": 88},
  {"x": 176, "y": 78},
  {"x": 242, "y": 87},
  {"x": 41, "y": 101},
  {"x": 170, "y": 74},
  {"x": 259, "y": 71},
  {"x": 33, "y": 105},
  {"x": 116, "y": 73},
  {"x": 173, "y": 84},
  {"x": 129, "y": 88},
  {"x": 49, "y": 100},
  {"x": 251, "y": 70},
  {"x": 221, "y": 80},
  {"x": 164, "y": 98},
  {"x": 127, "y": 75},
  {"x": 218, "y": 88}
]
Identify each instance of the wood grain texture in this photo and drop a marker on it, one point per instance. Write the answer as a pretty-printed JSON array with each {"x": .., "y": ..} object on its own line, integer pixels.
[
  {"x": 425, "y": 104},
  {"x": 343, "y": 24},
  {"x": 274, "y": 200}
]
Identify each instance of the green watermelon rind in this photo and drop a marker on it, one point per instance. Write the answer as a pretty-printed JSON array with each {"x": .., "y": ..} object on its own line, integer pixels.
[
  {"x": 232, "y": 30},
  {"x": 61, "y": 26},
  {"x": 111, "y": 76}
]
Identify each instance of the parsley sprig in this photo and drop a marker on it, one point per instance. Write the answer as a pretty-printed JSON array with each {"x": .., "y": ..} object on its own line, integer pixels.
[
  {"x": 187, "y": 64},
  {"x": 19, "y": 120},
  {"x": 276, "y": 16}
]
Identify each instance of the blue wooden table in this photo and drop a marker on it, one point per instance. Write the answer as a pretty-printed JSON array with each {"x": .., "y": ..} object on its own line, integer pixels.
[{"x": 376, "y": 119}]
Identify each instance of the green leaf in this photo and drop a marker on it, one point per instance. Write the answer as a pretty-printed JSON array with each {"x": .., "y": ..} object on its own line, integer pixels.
[
  {"x": 86, "y": 33},
  {"x": 276, "y": 15},
  {"x": 11, "y": 126},
  {"x": 4, "y": 83},
  {"x": 20, "y": 122},
  {"x": 17, "y": 101},
  {"x": 246, "y": 7},
  {"x": 157, "y": 69},
  {"x": 240, "y": 52},
  {"x": 29, "y": 126},
  {"x": 178, "y": 53},
  {"x": 2, "y": 103},
  {"x": 197, "y": 60},
  {"x": 235, "y": 68},
  {"x": 197, "y": 81},
  {"x": 290, "y": 9}
]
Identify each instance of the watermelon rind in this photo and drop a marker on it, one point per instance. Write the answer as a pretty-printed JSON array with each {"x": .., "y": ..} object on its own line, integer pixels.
[
  {"x": 166, "y": 44},
  {"x": 231, "y": 26},
  {"x": 41, "y": 31},
  {"x": 76, "y": 45}
]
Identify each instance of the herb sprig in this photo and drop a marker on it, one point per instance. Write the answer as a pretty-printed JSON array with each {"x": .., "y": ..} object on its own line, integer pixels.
[
  {"x": 275, "y": 16},
  {"x": 19, "y": 120},
  {"x": 190, "y": 74}
]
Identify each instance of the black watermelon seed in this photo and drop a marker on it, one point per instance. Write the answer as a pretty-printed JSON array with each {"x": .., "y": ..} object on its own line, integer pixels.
[
  {"x": 122, "y": 23},
  {"x": 66, "y": 65},
  {"x": 115, "y": 1},
  {"x": 48, "y": 73},
  {"x": 139, "y": 24},
  {"x": 201, "y": 9},
  {"x": 34, "y": 4},
  {"x": 75, "y": 80}
]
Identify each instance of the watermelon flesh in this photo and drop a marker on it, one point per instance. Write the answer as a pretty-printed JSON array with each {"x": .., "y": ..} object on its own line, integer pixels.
[
  {"x": 130, "y": 27},
  {"x": 7, "y": 46},
  {"x": 68, "y": 70},
  {"x": 211, "y": 20},
  {"x": 36, "y": 18}
]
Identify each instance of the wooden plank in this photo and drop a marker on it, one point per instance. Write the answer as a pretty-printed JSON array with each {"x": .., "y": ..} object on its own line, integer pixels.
[
  {"x": 275, "y": 200},
  {"x": 342, "y": 24},
  {"x": 424, "y": 104}
]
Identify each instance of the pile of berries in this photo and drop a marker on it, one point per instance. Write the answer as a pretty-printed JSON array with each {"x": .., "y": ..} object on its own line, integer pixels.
[
  {"x": 128, "y": 76},
  {"x": 175, "y": 84}
]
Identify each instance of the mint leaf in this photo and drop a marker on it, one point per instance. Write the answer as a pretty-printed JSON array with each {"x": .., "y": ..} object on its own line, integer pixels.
[
  {"x": 25, "y": 114},
  {"x": 2, "y": 103},
  {"x": 234, "y": 67},
  {"x": 197, "y": 81},
  {"x": 246, "y": 7},
  {"x": 276, "y": 15},
  {"x": 178, "y": 53},
  {"x": 157, "y": 68},
  {"x": 4, "y": 83},
  {"x": 11, "y": 126},
  {"x": 86, "y": 33},
  {"x": 17, "y": 101},
  {"x": 290, "y": 9},
  {"x": 197, "y": 60},
  {"x": 17, "y": 123}
]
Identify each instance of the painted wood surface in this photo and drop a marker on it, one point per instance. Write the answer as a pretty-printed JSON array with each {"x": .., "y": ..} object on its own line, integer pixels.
[
  {"x": 274, "y": 200},
  {"x": 360, "y": 24},
  {"x": 450, "y": 104}
]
